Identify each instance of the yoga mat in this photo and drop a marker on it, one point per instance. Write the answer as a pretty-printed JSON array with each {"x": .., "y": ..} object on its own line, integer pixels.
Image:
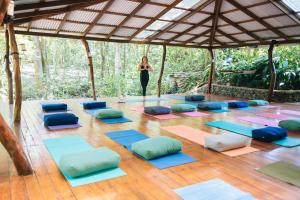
[
  {"x": 146, "y": 99},
  {"x": 197, "y": 136},
  {"x": 176, "y": 97},
  {"x": 247, "y": 131},
  {"x": 273, "y": 115},
  {"x": 115, "y": 120},
  {"x": 127, "y": 137},
  {"x": 215, "y": 189},
  {"x": 283, "y": 171},
  {"x": 259, "y": 120},
  {"x": 247, "y": 108},
  {"x": 219, "y": 111},
  {"x": 73, "y": 144},
  {"x": 93, "y": 111},
  {"x": 61, "y": 127},
  {"x": 140, "y": 109},
  {"x": 290, "y": 112},
  {"x": 230, "y": 100},
  {"x": 268, "y": 106},
  {"x": 195, "y": 114}
]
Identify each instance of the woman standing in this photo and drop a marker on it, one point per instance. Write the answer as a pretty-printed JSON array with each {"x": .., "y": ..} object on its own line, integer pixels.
[{"x": 144, "y": 68}]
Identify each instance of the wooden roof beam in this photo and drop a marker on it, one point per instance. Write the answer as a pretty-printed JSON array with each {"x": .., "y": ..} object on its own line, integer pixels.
[
  {"x": 258, "y": 19},
  {"x": 240, "y": 28},
  {"x": 191, "y": 28},
  {"x": 293, "y": 16},
  {"x": 169, "y": 7},
  {"x": 98, "y": 17},
  {"x": 48, "y": 4},
  {"x": 27, "y": 17},
  {"x": 62, "y": 22},
  {"x": 197, "y": 36},
  {"x": 217, "y": 10},
  {"x": 199, "y": 8},
  {"x": 133, "y": 13},
  {"x": 229, "y": 36}
]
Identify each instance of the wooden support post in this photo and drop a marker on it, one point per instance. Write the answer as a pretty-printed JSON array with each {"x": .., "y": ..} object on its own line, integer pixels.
[
  {"x": 212, "y": 69},
  {"x": 272, "y": 70},
  {"x": 14, "y": 149},
  {"x": 161, "y": 71},
  {"x": 91, "y": 66},
  {"x": 7, "y": 70},
  {"x": 17, "y": 73}
]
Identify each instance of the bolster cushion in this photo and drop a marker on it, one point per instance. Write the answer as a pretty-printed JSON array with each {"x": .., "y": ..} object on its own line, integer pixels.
[
  {"x": 225, "y": 142},
  {"x": 256, "y": 102},
  {"x": 194, "y": 98},
  {"x": 156, "y": 147},
  {"x": 157, "y": 110},
  {"x": 269, "y": 134},
  {"x": 87, "y": 162},
  {"x": 60, "y": 119},
  {"x": 51, "y": 107},
  {"x": 178, "y": 108},
  {"x": 209, "y": 106},
  {"x": 94, "y": 105},
  {"x": 291, "y": 124},
  {"x": 109, "y": 114},
  {"x": 238, "y": 104}
]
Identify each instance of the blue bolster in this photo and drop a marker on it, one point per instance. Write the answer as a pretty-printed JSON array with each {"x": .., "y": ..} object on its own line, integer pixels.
[
  {"x": 269, "y": 134},
  {"x": 238, "y": 104},
  {"x": 94, "y": 105},
  {"x": 54, "y": 107},
  {"x": 60, "y": 119}
]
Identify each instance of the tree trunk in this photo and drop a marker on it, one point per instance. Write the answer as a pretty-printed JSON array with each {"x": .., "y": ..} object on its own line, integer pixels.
[
  {"x": 91, "y": 66},
  {"x": 17, "y": 73},
  {"x": 15, "y": 150},
  {"x": 118, "y": 70},
  {"x": 161, "y": 71},
  {"x": 8, "y": 71}
]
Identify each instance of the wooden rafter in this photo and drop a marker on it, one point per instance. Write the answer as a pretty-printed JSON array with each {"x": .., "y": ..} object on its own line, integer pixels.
[
  {"x": 258, "y": 19},
  {"x": 229, "y": 36},
  {"x": 181, "y": 20},
  {"x": 48, "y": 4},
  {"x": 286, "y": 11},
  {"x": 191, "y": 28},
  {"x": 27, "y": 17},
  {"x": 240, "y": 28},
  {"x": 197, "y": 36},
  {"x": 133, "y": 13},
  {"x": 218, "y": 5},
  {"x": 62, "y": 22},
  {"x": 98, "y": 17},
  {"x": 164, "y": 11}
]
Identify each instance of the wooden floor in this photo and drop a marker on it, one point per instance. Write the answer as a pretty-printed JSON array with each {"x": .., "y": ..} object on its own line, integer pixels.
[{"x": 143, "y": 180}]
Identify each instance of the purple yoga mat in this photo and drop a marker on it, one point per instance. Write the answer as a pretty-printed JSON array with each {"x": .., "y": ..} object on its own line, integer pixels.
[
  {"x": 195, "y": 114},
  {"x": 291, "y": 112},
  {"x": 273, "y": 116},
  {"x": 60, "y": 127},
  {"x": 259, "y": 120}
]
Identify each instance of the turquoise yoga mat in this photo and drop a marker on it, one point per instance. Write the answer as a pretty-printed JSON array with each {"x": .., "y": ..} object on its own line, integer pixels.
[
  {"x": 247, "y": 131},
  {"x": 215, "y": 189},
  {"x": 73, "y": 144}
]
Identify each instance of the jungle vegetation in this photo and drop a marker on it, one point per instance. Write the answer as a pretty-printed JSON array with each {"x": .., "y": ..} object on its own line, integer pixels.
[{"x": 56, "y": 68}]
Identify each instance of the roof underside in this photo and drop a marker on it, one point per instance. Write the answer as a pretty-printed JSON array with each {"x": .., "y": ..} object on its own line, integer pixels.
[{"x": 194, "y": 23}]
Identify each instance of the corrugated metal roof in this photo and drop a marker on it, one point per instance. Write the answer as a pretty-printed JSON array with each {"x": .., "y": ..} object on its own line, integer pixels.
[{"x": 164, "y": 21}]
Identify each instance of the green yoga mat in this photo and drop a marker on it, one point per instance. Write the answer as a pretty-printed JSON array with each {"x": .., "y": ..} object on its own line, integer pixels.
[
  {"x": 283, "y": 171},
  {"x": 72, "y": 144}
]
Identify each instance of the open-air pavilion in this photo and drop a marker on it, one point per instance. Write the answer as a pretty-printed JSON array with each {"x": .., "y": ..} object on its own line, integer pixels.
[{"x": 29, "y": 171}]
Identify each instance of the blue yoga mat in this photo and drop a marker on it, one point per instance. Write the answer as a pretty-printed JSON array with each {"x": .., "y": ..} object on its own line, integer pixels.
[
  {"x": 127, "y": 137},
  {"x": 61, "y": 127},
  {"x": 73, "y": 144},
  {"x": 176, "y": 97},
  {"x": 219, "y": 111},
  {"x": 247, "y": 131},
  {"x": 247, "y": 108},
  {"x": 215, "y": 189}
]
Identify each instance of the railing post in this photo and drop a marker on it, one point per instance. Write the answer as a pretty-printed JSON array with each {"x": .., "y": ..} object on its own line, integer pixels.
[{"x": 161, "y": 71}]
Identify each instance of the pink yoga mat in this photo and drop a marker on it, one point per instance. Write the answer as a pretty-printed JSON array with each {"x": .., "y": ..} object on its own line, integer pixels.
[
  {"x": 198, "y": 136},
  {"x": 140, "y": 109},
  {"x": 259, "y": 120},
  {"x": 290, "y": 112},
  {"x": 268, "y": 106},
  {"x": 195, "y": 114},
  {"x": 273, "y": 115},
  {"x": 240, "y": 151}
]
